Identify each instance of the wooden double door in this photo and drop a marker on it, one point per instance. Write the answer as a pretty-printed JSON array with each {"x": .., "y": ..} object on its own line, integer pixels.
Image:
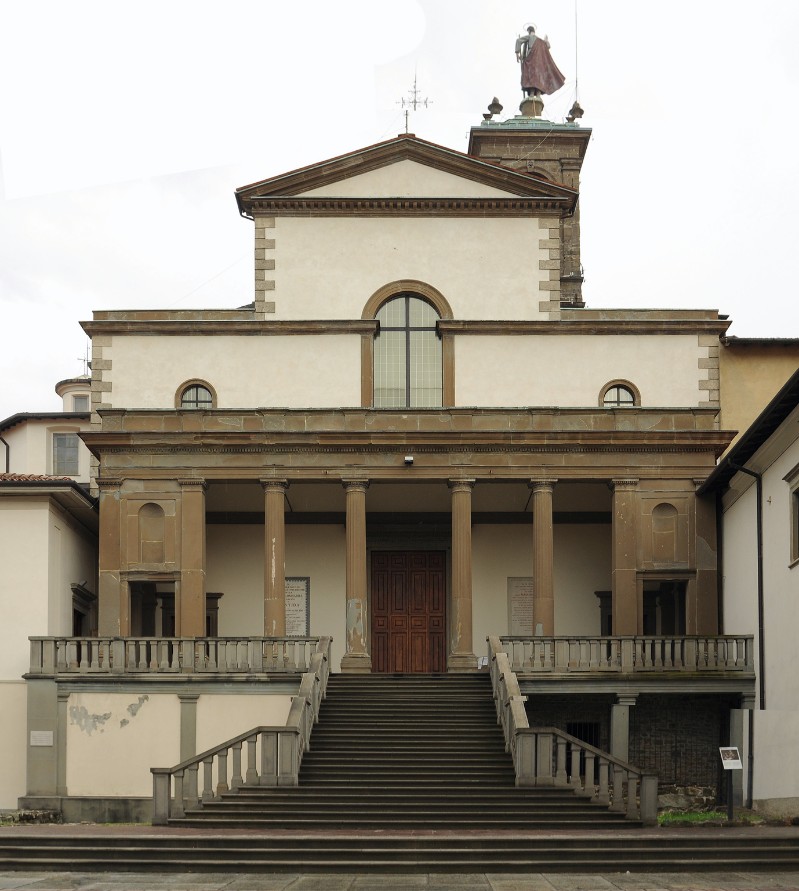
[{"x": 408, "y": 608}]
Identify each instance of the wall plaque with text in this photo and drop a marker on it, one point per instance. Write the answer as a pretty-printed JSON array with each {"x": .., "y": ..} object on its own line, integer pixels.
[
  {"x": 520, "y": 606},
  {"x": 298, "y": 606}
]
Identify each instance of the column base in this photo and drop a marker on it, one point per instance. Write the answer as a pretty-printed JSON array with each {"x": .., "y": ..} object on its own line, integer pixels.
[
  {"x": 462, "y": 662},
  {"x": 356, "y": 663}
]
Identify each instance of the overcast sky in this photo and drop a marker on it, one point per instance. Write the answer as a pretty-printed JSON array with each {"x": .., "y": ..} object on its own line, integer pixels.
[{"x": 125, "y": 127}]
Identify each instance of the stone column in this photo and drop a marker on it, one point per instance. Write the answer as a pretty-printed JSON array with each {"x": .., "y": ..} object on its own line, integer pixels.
[
  {"x": 624, "y": 576},
  {"x": 357, "y": 658},
  {"x": 113, "y": 608},
  {"x": 461, "y": 655},
  {"x": 190, "y": 608},
  {"x": 543, "y": 558},
  {"x": 275, "y": 557},
  {"x": 620, "y": 726}
]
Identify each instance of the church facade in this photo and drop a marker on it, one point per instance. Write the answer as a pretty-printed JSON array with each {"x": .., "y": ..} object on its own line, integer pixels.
[{"x": 416, "y": 436}]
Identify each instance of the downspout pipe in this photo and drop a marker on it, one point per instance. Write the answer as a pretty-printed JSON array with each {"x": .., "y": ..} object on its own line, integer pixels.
[
  {"x": 761, "y": 637},
  {"x": 760, "y": 623}
]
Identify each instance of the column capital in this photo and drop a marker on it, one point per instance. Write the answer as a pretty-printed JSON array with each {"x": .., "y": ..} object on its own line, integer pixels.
[
  {"x": 188, "y": 697},
  {"x": 542, "y": 485},
  {"x": 625, "y": 484},
  {"x": 192, "y": 483},
  {"x": 355, "y": 485},
  {"x": 461, "y": 485},
  {"x": 270, "y": 485},
  {"x": 626, "y": 699},
  {"x": 108, "y": 484}
]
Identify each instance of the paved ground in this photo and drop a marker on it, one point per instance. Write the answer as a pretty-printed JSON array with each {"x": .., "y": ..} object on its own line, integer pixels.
[{"x": 78, "y": 881}]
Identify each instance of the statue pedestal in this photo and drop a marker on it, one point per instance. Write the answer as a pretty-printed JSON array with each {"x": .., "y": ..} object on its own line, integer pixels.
[{"x": 532, "y": 106}]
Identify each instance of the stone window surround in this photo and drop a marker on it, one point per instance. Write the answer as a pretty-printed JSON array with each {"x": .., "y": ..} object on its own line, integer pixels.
[
  {"x": 623, "y": 384},
  {"x": 52, "y": 432},
  {"x": 444, "y": 310},
  {"x": 194, "y": 382}
]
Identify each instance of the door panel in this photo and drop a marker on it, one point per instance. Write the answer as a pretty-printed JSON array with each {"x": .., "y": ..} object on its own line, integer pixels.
[{"x": 408, "y": 600}]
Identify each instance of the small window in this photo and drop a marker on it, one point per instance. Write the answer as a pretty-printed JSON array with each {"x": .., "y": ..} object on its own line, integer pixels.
[
  {"x": 196, "y": 397},
  {"x": 619, "y": 394},
  {"x": 65, "y": 454},
  {"x": 80, "y": 403}
]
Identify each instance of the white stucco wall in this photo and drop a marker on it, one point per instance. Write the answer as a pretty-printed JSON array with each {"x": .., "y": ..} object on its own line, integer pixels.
[
  {"x": 72, "y": 560},
  {"x": 296, "y": 371},
  {"x": 24, "y": 549},
  {"x": 13, "y": 708},
  {"x": 570, "y": 371},
  {"x": 776, "y": 777},
  {"x": 31, "y": 447},
  {"x": 113, "y": 739},
  {"x": 486, "y": 268},
  {"x": 222, "y": 716}
]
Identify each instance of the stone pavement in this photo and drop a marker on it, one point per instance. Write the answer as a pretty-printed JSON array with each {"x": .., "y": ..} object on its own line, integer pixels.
[{"x": 684, "y": 881}]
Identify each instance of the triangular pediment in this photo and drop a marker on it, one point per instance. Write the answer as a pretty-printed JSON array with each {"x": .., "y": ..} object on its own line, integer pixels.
[{"x": 405, "y": 167}]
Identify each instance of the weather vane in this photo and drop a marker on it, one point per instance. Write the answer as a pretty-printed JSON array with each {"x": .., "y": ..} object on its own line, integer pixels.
[{"x": 413, "y": 102}]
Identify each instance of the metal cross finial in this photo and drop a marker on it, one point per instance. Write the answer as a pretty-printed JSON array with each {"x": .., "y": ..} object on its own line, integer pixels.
[{"x": 413, "y": 102}]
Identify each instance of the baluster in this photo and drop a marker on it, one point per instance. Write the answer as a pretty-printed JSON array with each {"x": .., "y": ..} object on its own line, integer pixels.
[
  {"x": 602, "y": 796},
  {"x": 190, "y": 786},
  {"x": 140, "y": 657},
  {"x": 575, "y": 771},
  {"x": 71, "y": 655},
  {"x": 208, "y": 779},
  {"x": 252, "y": 771},
  {"x": 268, "y": 758},
  {"x": 221, "y": 773},
  {"x": 61, "y": 656},
  {"x": 178, "y": 804},
  {"x": 690, "y": 659},
  {"x": 95, "y": 661},
  {"x": 627, "y": 654},
  {"x": 237, "y": 780},
  {"x": 212, "y": 657},
  {"x": 163, "y": 662},
  {"x": 175, "y": 653},
  {"x": 561, "y": 778},
  {"x": 589, "y": 787},
  {"x": 632, "y": 796},
  {"x": 679, "y": 653},
  {"x": 618, "y": 789}
]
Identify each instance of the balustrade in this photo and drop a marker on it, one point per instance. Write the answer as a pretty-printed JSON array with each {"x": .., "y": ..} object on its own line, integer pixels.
[
  {"x": 546, "y": 756},
  {"x": 721, "y": 653},
  {"x": 180, "y": 655},
  {"x": 273, "y": 754}
]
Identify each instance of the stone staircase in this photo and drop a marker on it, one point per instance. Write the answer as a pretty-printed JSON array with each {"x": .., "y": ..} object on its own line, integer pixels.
[{"x": 405, "y": 752}]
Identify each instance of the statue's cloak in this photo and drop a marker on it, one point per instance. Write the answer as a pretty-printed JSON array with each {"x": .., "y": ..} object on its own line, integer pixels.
[{"x": 539, "y": 71}]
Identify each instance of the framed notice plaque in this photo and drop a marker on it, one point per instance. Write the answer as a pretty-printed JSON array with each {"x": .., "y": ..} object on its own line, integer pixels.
[
  {"x": 520, "y": 606},
  {"x": 298, "y": 606}
]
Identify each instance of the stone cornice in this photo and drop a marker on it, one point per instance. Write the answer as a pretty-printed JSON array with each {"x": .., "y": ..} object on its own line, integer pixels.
[
  {"x": 522, "y": 206},
  {"x": 620, "y": 326},
  {"x": 203, "y": 326}
]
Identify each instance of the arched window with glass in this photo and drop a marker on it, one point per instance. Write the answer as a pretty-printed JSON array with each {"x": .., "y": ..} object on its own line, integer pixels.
[
  {"x": 619, "y": 394},
  {"x": 407, "y": 354},
  {"x": 195, "y": 395}
]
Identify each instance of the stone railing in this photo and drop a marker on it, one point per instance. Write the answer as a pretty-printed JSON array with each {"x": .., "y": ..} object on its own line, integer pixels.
[
  {"x": 70, "y": 656},
  {"x": 534, "y": 655},
  {"x": 546, "y": 756},
  {"x": 273, "y": 757}
]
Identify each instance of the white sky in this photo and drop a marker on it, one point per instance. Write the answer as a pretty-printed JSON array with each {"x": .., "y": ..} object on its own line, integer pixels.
[{"x": 125, "y": 127}]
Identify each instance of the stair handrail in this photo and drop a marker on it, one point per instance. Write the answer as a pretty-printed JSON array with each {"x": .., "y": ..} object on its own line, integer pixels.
[
  {"x": 540, "y": 753},
  {"x": 281, "y": 750}
]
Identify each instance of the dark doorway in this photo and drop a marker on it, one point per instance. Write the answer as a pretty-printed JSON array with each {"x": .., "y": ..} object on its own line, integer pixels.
[
  {"x": 664, "y": 608},
  {"x": 408, "y": 604}
]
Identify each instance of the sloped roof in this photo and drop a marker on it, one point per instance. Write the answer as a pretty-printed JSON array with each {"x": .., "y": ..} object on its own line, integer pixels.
[
  {"x": 23, "y": 416},
  {"x": 32, "y": 478},
  {"x": 406, "y": 146},
  {"x": 759, "y": 431}
]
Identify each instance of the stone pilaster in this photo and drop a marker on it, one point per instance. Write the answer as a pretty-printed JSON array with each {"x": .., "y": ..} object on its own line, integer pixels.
[
  {"x": 188, "y": 725},
  {"x": 275, "y": 557},
  {"x": 190, "y": 613},
  {"x": 620, "y": 726},
  {"x": 356, "y": 658},
  {"x": 624, "y": 567},
  {"x": 113, "y": 608},
  {"x": 702, "y": 608},
  {"x": 461, "y": 656},
  {"x": 543, "y": 557}
]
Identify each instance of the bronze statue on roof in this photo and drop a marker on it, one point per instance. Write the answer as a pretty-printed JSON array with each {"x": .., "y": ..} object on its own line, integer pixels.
[{"x": 540, "y": 74}]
